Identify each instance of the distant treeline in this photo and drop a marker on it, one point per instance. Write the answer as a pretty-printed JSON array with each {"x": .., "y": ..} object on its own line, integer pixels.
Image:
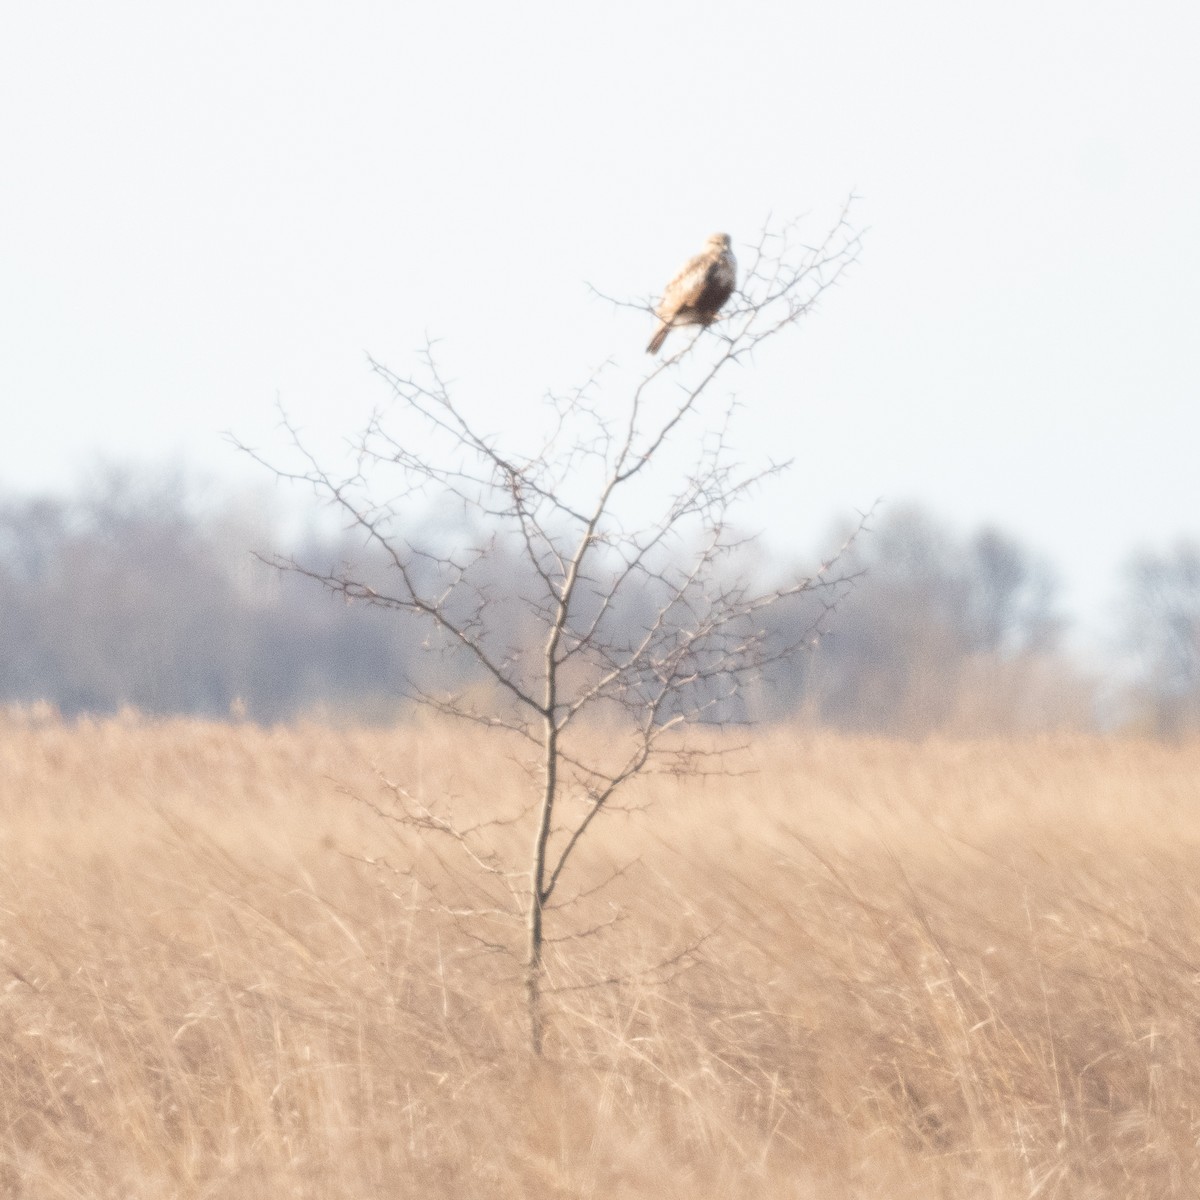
[{"x": 135, "y": 593}]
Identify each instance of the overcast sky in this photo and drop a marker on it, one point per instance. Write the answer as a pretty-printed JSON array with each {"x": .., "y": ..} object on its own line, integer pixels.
[{"x": 205, "y": 206}]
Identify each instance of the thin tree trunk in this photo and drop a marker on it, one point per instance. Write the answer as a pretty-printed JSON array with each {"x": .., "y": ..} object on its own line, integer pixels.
[{"x": 537, "y": 877}]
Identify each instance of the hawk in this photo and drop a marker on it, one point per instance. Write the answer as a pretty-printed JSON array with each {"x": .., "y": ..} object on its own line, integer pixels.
[{"x": 695, "y": 295}]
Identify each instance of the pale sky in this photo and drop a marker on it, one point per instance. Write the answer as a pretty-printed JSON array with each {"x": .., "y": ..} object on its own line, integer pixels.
[{"x": 205, "y": 206}]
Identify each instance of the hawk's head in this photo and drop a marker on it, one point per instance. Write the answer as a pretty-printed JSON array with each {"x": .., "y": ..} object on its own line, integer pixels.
[{"x": 719, "y": 241}]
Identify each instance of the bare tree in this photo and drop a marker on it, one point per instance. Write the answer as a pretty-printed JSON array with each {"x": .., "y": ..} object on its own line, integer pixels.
[
  {"x": 1162, "y": 628},
  {"x": 622, "y": 604},
  {"x": 945, "y": 629}
]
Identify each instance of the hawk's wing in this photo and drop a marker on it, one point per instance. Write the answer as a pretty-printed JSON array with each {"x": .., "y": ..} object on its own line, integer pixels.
[
  {"x": 695, "y": 295},
  {"x": 687, "y": 287}
]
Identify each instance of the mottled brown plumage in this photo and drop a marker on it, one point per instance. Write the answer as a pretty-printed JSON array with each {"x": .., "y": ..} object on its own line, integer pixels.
[{"x": 695, "y": 295}]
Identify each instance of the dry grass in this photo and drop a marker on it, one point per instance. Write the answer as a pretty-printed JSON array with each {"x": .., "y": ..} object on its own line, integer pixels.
[{"x": 957, "y": 969}]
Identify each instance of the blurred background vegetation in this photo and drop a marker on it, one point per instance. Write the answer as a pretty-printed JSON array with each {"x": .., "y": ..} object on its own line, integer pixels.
[{"x": 142, "y": 589}]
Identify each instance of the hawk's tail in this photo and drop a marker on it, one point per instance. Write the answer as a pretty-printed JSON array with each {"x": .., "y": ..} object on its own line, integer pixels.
[{"x": 657, "y": 340}]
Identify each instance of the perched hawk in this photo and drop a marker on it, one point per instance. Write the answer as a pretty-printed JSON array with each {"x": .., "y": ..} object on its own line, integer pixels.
[{"x": 695, "y": 295}]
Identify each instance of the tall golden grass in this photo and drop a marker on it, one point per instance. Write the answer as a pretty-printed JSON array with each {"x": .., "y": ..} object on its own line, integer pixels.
[{"x": 850, "y": 968}]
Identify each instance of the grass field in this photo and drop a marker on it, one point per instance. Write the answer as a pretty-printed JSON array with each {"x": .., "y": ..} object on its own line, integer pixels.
[{"x": 851, "y": 968}]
